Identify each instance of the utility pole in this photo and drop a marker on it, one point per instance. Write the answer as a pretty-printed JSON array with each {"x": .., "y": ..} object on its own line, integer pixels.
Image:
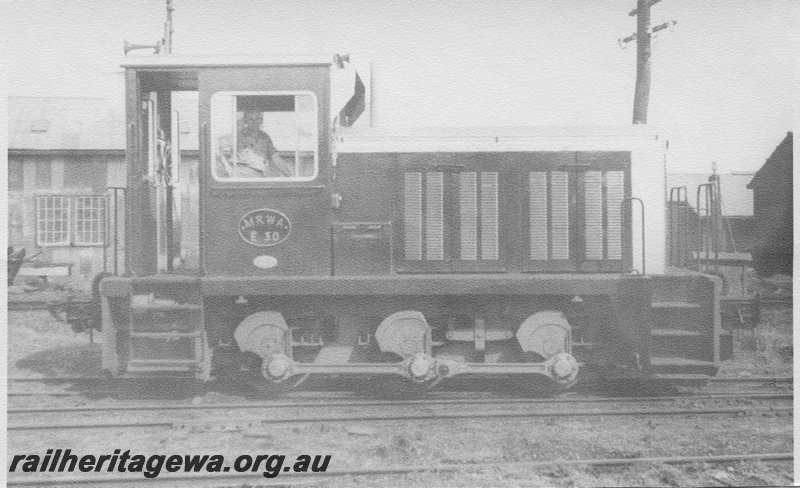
[
  {"x": 167, "y": 40},
  {"x": 642, "y": 37},
  {"x": 641, "y": 96}
]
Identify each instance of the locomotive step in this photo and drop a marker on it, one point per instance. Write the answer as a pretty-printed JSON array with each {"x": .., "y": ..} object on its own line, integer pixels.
[
  {"x": 159, "y": 307},
  {"x": 167, "y": 335},
  {"x": 698, "y": 379},
  {"x": 675, "y": 333},
  {"x": 673, "y": 361},
  {"x": 142, "y": 362},
  {"x": 674, "y": 306},
  {"x": 679, "y": 343},
  {"x": 160, "y": 365},
  {"x": 682, "y": 365}
]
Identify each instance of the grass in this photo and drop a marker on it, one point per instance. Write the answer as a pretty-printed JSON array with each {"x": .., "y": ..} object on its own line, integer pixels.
[{"x": 765, "y": 350}]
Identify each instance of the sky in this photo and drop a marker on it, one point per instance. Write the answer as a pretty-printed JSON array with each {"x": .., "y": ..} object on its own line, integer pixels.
[{"x": 722, "y": 81}]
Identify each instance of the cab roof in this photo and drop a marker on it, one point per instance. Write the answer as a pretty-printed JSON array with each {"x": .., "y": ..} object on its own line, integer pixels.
[{"x": 198, "y": 61}]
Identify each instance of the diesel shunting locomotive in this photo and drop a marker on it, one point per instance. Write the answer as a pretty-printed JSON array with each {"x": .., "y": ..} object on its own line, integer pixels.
[{"x": 326, "y": 247}]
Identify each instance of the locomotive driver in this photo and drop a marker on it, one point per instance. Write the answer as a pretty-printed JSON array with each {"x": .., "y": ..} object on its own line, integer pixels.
[{"x": 257, "y": 156}]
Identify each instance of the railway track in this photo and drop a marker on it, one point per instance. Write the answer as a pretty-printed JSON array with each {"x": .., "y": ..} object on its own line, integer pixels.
[
  {"x": 106, "y": 379},
  {"x": 305, "y": 478},
  {"x": 455, "y": 406},
  {"x": 458, "y": 414},
  {"x": 327, "y": 404},
  {"x": 98, "y": 386},
  {"x": 342, "y": 399}
]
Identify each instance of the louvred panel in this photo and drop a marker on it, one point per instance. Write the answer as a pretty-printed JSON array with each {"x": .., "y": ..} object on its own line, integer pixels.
[
  {"x": 615, "y": 191},
  {"x": 489, "y": 216},
  {"x": 559, "y": 214},
  {"x": 434, "y": 217},
  {"x": 468, "y": 213},
  {"x": 538, "y": 214},
  {"x": 593, "y": 214},
  {"x": 412, "y": 222}
]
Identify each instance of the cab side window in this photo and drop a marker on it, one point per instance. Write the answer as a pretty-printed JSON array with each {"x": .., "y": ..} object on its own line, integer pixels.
[{"x": 264, "y": 136}]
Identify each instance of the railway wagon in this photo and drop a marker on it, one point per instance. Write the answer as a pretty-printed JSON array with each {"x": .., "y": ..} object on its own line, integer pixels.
[{"x": 326, "y": 249}]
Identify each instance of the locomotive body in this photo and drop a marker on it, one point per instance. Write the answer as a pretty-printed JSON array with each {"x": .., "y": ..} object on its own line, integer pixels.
[{"x": 422, "y": 254}]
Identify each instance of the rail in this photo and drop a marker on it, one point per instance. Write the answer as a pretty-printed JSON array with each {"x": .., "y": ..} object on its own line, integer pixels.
[
  {"x": 744, "y": 410},
  {"x": 325, "y": 404}
]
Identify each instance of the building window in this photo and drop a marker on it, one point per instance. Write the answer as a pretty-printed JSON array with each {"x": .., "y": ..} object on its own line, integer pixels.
[
  {"x": 70, "y": 220},
  {"x": 90, "y": 217},
  {"x": 52, "y": 221}
]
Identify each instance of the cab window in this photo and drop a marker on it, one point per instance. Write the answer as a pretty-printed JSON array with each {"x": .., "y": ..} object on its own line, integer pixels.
[{"x": 264, "y": 136}]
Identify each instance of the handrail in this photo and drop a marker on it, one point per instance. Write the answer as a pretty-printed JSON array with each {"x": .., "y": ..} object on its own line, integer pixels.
[
  {"x": 203, "y": 166},
  {"x": 622, "y": 217},
  {"x": 132, "y": 159},
  {"x": 710, "y": 211},
  {"x": 678, "y": 226},
  {"x": 113, "y": 192},
  {"x": 677, "y": 194}
]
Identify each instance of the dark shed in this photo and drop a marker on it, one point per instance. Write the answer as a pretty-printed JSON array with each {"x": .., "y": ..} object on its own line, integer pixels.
[{"x": 772, "y": 208}]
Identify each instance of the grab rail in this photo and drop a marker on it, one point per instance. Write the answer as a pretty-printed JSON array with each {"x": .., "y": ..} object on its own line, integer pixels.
[
  {"x": 622, "y": 217},
  {"x": 711, "y": 226}
]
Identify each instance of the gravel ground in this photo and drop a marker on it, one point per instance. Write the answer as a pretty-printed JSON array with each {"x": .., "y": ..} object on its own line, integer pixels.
[{"x": 40, "y": 346}]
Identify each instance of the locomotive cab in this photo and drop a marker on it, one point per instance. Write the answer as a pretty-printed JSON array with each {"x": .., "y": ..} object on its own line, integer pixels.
[
  {"x": 311, "y": 243},
  {"x": 263, "y": 127}
]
